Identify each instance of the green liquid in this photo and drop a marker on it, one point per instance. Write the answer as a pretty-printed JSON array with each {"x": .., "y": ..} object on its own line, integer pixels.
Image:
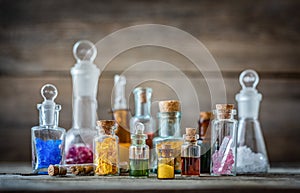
[{"x": 139, "y": 167}]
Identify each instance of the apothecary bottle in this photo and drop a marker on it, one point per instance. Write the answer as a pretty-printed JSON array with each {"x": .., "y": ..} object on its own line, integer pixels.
[
  {"x": 142, "y": 101},
  {"x": 224, "y": 140},
  {"x": 169, "y": 119},
  {"x": 166, "y": 163},
  {"x": 190, "y": 154},
  {"x": 106, "y": 149},
  {"x": 251, "y": 151},
  {"x": 85, "y": 74},
  {"x": 204, "y": 140},
  {"x": 139, "y": 153},
  {"x": 47, "y": 139}
]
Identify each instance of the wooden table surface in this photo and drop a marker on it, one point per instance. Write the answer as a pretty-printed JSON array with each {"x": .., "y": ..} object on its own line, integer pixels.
[{"x": 15, "y": 177}]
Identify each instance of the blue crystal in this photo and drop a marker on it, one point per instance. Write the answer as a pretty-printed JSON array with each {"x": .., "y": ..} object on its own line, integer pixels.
[{"x": 48, "y": 152}]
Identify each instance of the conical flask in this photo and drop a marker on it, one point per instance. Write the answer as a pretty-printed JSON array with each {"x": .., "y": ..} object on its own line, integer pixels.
[
  {"x": 85, "y": 75},
  {"x": 251, "y": 152}
]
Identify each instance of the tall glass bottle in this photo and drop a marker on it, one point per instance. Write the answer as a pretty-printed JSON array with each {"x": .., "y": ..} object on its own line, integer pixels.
[
  {"x": 204, "y": 141},
  {"x": 223, "y": 142},
  {"x": 169, "y": 119},
  {"x": 106, "y": 149},
  {"x": 190, "y": 154},
  {"x": 47, "y": 139},
  {"x": 251, "y": 152},
  {"x": 121, "y": 115},
  {"x": 139, "y": 153},
  {"x": 142, "y": 101},
  {"x": 85, "y": 74}
]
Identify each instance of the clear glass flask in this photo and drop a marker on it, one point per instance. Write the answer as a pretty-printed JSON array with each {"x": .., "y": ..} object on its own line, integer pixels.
[
  {"x": 106, "y": 149},
  {"x": 223, "y": 142},
  {"x": 85, "y": 74},
  {"x": 169, "y": 119},
  {"x": 139, "y": 153},
  {"x": 190, "y": 154},
  {"x": 251, "y": 151},
  {"x": 47, "y": 139},
  {"x": 142, "y": 101}
]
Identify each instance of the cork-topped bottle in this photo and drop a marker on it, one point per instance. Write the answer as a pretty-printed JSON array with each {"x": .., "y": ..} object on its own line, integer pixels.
[
  {"x": 224, "y": 140},
  {"x": 169, "y": 119},
  {"x": 106, "y": 149}
]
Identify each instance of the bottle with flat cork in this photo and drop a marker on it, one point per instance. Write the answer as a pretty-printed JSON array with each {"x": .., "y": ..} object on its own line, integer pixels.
[{"x": 190, "y": 154}]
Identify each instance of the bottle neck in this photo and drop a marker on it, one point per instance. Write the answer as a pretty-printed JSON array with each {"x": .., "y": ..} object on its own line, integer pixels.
[
  {"x": 169, "y": 124},
  {"x": 49, "y": 115},
  {"x": 84, "y": 112},
  {"x": 142, "y": 99},
  {"x": 138, "y": 140}
]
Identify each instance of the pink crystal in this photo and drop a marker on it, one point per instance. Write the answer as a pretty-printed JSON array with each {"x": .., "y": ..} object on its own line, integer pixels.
[
  {"x": 79, "y": 155},
  {"x": 223, "y": 159}
]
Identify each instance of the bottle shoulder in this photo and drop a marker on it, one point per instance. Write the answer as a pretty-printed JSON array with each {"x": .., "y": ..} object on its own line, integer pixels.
[{"x": 55, "y": 128}]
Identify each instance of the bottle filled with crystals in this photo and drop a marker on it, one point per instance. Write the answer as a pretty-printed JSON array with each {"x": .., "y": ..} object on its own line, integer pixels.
[
  {"x": 224, "y": 141},
  {"x": 106, "y": 149},
  {"x": 190, "y": 154},
  {"x": 252, "y": 155},
  {"x": 169, "y": 119},
  {"x": 142, "y": 101},
  {"x": 47, "y": 139},
  {"x": 85, "y": 74},
  {"x": 139, "y": 153}
]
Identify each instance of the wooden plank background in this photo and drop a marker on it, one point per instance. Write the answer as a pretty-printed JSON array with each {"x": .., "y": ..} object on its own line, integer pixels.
[{"x": 36, "y": 39}]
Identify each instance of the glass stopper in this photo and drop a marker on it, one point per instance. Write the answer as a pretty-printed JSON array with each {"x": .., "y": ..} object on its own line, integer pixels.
[
  {"x": 49, "y": 92},
  {"x": 84, "y": 50},
  {"x": 249, "y": 79},
  {"x": 139, "y": 128}
]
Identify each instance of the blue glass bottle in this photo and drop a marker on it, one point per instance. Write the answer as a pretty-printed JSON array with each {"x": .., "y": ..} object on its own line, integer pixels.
[{"x": 47, "y": 139}]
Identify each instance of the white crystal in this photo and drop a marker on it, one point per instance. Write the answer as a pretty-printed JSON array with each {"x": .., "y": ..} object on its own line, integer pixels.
[{"x": 250, "y": 162}]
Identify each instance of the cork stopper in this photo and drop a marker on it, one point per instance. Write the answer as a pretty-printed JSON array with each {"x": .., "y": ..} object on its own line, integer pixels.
[
  {"x": 191, "y": 134},
  {"x": 205, "y": 115},
  {"x": 57, "y": 170},
  {"x": 106, "y": 125},
  {"x": 169, "y": 106},
  {"x": 224, "y": 107}
]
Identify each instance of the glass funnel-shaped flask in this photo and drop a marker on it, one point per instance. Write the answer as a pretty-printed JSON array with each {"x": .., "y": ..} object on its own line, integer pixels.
[
  {"x": 139, "y": 153},
  {"x": 251, "y": 152},
  {"x": 47, "y": 139},
  {"x": 85, "y": 75}
]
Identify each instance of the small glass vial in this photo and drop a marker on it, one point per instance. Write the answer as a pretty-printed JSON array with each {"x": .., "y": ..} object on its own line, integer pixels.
[
  {"x": 85, "y": 75},
  {"x": 169, "y": 119},
  {"x": 252, "y": 157},
  {"x": 190, "y": 154},
  {"x": 166, "y": 163},
  {"x": 139, "y": 153},
  {"x": 204, "y": 141},
  {"x": 142, "y": 101},
  {"x": 106, "y": 149},
  {"x": 223, "y": 142},
  {"x": 47, "y": 139}
]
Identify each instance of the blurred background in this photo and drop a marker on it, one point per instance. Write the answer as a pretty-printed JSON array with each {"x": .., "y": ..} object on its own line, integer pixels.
[{"x": 36, "y": 40}]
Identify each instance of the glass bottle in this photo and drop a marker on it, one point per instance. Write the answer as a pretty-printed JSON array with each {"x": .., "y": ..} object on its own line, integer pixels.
[
  {"x": 169, "y": 119},
  {"x": 139, "y": 153},
  {"x": 190, "y": 154},
  {"x": 142, "y": 101},
  {"x": 204, "y": 141},
  {"x": 106, "y": 149},
  {"x": 223, "y": 142},
  {"x": 47, "y": 139},
  {"x": 85, "y": 74},
  {"x": 251, "y": 151},
  {"x": 166, "y": 163},
  {"x": 121, "y": 115}
]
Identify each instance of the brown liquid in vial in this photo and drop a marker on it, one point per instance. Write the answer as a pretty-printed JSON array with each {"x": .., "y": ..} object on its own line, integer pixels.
[{"x": 190, "y": 166}]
